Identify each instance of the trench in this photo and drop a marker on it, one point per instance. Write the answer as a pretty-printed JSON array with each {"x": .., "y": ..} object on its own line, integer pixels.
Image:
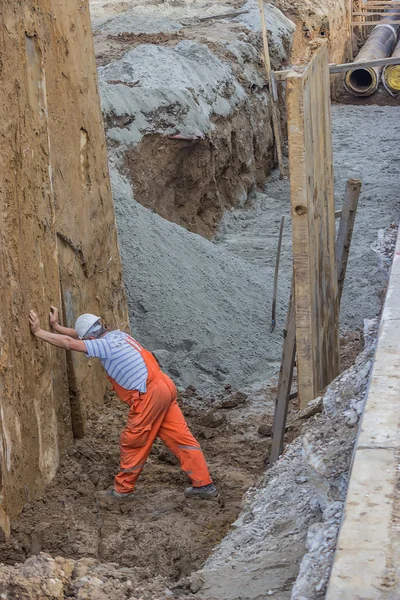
[{"x": 161, "y": 533}]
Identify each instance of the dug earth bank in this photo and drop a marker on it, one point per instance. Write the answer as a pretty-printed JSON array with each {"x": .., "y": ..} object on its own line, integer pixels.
[{"x": 202, "y": 304}]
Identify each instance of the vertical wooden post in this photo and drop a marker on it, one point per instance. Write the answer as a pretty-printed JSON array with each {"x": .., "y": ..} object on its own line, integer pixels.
[
  {"x": 346, "y": 225},
  {"x": 350, "y": 19},
  {"x": 343, "y": 242},
  {"x": 313, "y": 226},
  {"x": 272, "y": 91},
  {"x": 284, "y": 384}
]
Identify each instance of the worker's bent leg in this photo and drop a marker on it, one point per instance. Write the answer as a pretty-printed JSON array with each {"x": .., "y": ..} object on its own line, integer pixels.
[
  {"x": 175, "y": 434},
  {"x": 144, "y": 421}
]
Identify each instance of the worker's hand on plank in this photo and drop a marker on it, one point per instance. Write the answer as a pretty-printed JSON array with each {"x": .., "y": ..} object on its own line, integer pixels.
[
  {"x": 55, "y": 325},
  {"x": 34, "y": 322},
  {"x": 60, "y": 340},
  {"x": 53, "y": 317}
]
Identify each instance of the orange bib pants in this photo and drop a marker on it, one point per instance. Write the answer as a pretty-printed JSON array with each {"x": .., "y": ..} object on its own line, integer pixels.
[{"x": 152, "y": 414}]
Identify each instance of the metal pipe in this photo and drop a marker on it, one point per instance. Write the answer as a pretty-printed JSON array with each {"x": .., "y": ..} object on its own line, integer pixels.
[
  {"x": 364, "y": 81},
  {"x": 391, "y": 74}
]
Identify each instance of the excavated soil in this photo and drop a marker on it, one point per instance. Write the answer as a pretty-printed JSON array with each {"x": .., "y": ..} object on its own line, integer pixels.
[{"x": 160, "y": 533}]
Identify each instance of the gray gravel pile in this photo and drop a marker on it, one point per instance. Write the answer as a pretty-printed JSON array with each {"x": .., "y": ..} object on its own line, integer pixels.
[{"x": 203, "y": 310}]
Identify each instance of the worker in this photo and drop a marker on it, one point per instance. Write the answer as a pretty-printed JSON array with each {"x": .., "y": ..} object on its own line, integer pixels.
[{"x": 150, "y": 394}]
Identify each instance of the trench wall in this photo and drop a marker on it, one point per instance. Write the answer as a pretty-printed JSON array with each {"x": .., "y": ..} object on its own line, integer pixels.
[{"x": 56, "y": 225}]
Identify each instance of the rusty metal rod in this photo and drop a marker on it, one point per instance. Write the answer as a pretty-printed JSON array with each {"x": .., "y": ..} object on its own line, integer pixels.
[
  {"x": 278, "y": 256},
  {"x": 364, "y": 81},
  {"x": 391, "y": 74}
]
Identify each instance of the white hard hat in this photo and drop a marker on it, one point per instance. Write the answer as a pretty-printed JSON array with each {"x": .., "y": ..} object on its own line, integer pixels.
[{"x": 84, "y": 323}]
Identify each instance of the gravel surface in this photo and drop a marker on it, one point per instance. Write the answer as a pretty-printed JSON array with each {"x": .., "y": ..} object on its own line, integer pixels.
[{"x": 205, "y": 307}]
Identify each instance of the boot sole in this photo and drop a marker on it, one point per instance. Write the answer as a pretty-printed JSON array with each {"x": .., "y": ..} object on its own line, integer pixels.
[{"x": 202, "y": 496}]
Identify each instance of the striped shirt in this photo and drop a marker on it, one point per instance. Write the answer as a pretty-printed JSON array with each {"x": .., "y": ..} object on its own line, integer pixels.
[{"x": 122, "y": 361}]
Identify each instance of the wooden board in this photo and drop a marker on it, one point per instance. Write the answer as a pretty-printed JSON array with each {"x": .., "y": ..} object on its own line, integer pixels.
[
  {"x": 281, "y": 76},
  {"x": 343, "y": 242},
  {"x": 371, "y": 23},
  {"x": 284, "y": 384},
  {"x": 313, "y": 226}
]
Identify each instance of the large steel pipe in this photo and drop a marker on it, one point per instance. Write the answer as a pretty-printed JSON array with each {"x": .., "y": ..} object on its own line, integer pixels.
[
  {"x": 391, "y": 74},
  {"x": 364, "y": 81}
]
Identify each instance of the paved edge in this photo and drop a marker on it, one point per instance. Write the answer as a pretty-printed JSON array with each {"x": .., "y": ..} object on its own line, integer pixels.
[{"x": 369, "y": 543}]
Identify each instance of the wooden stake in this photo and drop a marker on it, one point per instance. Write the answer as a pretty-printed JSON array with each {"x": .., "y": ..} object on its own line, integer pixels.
[
  {"x": 272, "y": 91},
  {"x": 349, "y": 20},
  {"x": 285, "y": 383},
  {"x": 343, "y": 242},
  {"x": 278, "y": 255},
  {"x": 346, "y": 225}
]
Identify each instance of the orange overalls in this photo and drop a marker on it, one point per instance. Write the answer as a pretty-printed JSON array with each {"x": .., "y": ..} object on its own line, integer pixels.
[{"x": 152, "y": 414}]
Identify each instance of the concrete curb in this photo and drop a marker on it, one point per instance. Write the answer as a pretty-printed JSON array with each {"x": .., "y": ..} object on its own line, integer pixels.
[{"x": 368, "y": 550}]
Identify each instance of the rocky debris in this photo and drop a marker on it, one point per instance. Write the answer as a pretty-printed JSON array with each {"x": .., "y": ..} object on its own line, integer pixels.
[
  {"x": 233, "y": 401},
  {"x": 45, "y": 578},
  {"x": 265, "y": 430},
  {"x": 290, "y": 521}
]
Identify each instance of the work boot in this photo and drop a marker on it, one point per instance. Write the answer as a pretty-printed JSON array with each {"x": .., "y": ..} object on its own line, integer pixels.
[
  {"x": 114, "y": 495},
  {"x": 204, "y": 491}
]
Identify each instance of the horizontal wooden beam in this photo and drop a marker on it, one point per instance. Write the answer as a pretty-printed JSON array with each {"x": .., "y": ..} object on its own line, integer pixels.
[
  {"x": 371, "y": 23},
  {"x": 394, "y": 11},
  {"x": 381, "y": 62}
]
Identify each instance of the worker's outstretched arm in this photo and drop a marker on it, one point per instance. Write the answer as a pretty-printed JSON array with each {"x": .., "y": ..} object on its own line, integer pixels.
[
  {"x": 54, "y": 324},
  {"x": 61, "y": 341}
]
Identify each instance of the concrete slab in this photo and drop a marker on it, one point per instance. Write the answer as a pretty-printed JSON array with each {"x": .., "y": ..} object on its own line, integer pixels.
[
  {"x": 392, "y": 305},
  {"x": 387, "y": 358},
  {"x": 368, "y": 550},
  {"x": 363, "y": 556},
  {"x": 381, "y": 422}
]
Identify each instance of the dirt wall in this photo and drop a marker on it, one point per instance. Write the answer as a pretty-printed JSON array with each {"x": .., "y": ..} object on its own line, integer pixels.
[
  {"x": 51, "y": 187},
  {"x": 317, "y": 20}
]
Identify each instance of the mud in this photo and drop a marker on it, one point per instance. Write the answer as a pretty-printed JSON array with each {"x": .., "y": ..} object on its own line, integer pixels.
[
  {"x": 159, "y": 532},
  {"x": 149, "y": 547}
]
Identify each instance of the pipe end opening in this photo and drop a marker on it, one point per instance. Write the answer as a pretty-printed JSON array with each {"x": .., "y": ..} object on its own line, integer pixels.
[{"x": 362, "y": 82}]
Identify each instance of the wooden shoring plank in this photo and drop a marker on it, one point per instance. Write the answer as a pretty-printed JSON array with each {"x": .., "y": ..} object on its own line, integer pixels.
[
  {"x": 313, "y": 226},
  {"x": 345, "y": 233},
  {"x": 272, "y": 91},
  {"x": 343, "y": 241},
  {"x": 284, "y": 384}
]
